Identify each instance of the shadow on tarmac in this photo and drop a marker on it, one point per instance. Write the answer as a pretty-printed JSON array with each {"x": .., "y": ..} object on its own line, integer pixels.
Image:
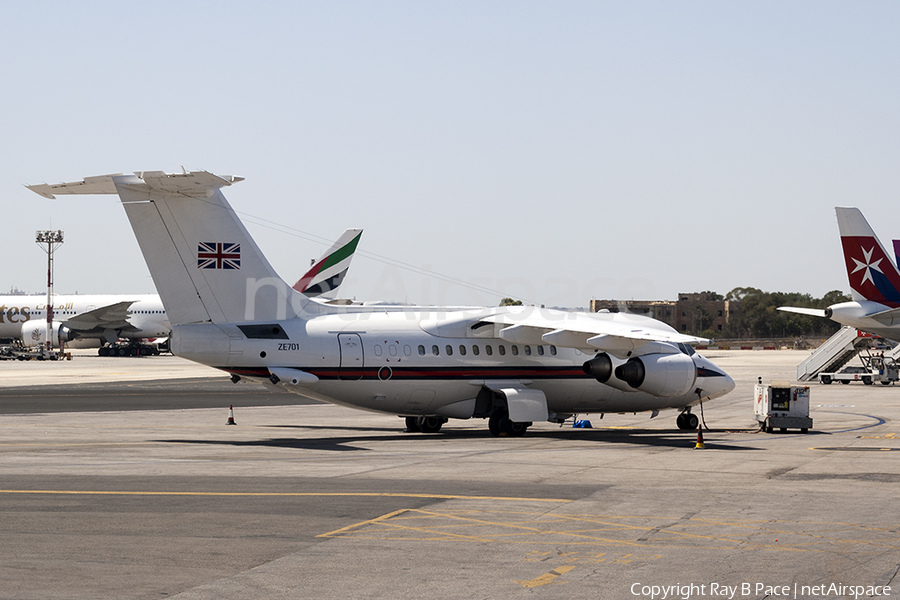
[{"x": 674, "y": 439}]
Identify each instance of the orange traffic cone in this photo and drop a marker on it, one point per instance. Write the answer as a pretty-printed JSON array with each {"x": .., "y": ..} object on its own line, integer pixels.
[
  {"x": 699, "y": 443},
  {"x": 230, "y": 420}
]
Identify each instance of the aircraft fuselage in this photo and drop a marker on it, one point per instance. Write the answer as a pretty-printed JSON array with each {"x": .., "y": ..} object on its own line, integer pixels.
[{"x": 389, "y": 362}]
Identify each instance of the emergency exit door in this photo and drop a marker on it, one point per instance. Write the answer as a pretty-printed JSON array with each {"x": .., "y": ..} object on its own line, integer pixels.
[{"x": 351, "y": 356}]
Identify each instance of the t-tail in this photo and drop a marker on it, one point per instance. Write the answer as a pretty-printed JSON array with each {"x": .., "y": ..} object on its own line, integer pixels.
[
  {"x": 872, "y": 273},
  {"x": 204, "y": 263},
  {"x": 327, "y": 274}
]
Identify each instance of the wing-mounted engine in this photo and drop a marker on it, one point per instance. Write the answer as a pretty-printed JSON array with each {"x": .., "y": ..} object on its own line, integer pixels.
[
  {"x": 664, "y": 375},
  {"x": 668, "y": 373},
  {"x": 35, "y": 333}
]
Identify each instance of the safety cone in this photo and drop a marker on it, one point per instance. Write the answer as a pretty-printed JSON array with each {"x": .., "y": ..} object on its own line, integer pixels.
[
  {"x": 230, "y": 420},
  {"x": 699, "y": 443}
]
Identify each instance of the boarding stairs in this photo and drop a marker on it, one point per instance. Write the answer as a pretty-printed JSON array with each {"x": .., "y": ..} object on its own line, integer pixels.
[{"x": 831, "y": 356}]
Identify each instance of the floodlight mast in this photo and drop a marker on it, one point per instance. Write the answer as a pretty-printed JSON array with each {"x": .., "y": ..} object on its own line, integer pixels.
[{"x": 53, "y": 239}]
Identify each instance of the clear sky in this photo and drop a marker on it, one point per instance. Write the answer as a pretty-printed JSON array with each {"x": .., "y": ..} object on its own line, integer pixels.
[{"x": 551, "y": 151}]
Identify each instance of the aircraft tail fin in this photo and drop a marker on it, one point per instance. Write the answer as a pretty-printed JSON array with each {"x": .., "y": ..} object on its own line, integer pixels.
[
  {"x": 872, "y": 272},
  {"x": 205, "y": 264},
  {"x": 327, "y": 274}
]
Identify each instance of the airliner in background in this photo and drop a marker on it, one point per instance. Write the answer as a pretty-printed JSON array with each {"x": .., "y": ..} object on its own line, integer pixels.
[
  {"x": 510, "y": 365},
  {"x": 90, "y": 320},
  {"x": 874, "y": 281}
]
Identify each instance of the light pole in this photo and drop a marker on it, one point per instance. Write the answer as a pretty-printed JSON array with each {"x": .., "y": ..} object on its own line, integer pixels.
[{"x": 52, "y": 239}]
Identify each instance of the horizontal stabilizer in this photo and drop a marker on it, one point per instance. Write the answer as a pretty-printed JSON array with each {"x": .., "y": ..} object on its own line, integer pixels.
[
  {"x": 101, "y": 184},
  {"x": 196, "y": 184},
  {"x": 815, "y": 312}
]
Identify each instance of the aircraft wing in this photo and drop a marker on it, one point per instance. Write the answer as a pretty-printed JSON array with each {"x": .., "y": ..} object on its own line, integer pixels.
[
  {"x": 610, "y": 332},
  {"x": 113, "y": 316}
]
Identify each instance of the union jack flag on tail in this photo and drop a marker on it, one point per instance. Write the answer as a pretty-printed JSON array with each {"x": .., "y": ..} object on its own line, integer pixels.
[{"x": 218, "y": 255}]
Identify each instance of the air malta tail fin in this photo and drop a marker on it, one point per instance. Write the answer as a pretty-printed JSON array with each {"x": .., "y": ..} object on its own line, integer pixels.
[
  {"x": 872, "y": 273},
  {"x": 327, "y": 274},
  {"x": 204, "y": 263}
]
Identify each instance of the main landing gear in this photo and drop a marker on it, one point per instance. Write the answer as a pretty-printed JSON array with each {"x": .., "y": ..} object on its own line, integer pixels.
[
  {"x": 499, "y": 424},
  {"x": 687, "y": 420},
  {"x": 425, "y": 424}
]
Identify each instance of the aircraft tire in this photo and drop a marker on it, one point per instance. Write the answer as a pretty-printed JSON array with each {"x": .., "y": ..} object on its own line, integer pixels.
[
  {"x": 494, "y": 422},
  {"x": 412, "y": 424},
  {"x": 512, "y": 428},
  {"x": 687, "y": 421},
  {"x": 430, "y": 424}
]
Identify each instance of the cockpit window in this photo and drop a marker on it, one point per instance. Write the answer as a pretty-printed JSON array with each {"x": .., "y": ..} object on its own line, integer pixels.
[{"x": 687, "y": 349}]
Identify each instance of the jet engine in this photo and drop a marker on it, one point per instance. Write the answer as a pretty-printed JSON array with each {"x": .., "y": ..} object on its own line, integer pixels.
[
  {"x": 664, "y": 375},
  {"x": 602, "y": 367},
  {"x": 34, "y": 333}
]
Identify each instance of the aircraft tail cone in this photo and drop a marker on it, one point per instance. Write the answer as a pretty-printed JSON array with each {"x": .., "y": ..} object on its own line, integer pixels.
[
  {"x": 230, "y": 420},
  {"x": 699, "y": 445}
]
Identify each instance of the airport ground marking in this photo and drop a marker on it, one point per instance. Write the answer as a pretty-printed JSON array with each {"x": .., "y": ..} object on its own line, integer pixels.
[
  {"x": 546, "y": 578},
  {"x": 402, "y": 526}
]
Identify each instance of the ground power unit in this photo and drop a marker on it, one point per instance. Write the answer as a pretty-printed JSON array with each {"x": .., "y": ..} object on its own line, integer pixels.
[{"x": 781, "y": 405}]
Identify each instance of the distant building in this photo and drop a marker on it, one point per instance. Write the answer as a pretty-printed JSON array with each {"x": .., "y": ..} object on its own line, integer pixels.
[{"x": 691, "y": 313}]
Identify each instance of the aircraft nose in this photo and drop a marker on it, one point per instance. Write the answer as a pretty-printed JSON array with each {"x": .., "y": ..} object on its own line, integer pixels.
[
  {"x": 716, "y": 381},
  {"x": 728, "y": 384}
]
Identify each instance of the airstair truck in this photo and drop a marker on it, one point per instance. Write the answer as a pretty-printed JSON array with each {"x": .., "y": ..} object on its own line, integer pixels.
[{"x": 782, "y": 405}]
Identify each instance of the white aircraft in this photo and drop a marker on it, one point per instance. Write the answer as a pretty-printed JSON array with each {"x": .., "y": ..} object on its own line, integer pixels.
[
  {"x": 82, "y": 317},
  {"x": 513, "y": 365},
  {"x": 83, "y": 320},
  {"x": 874, "y": 281}
]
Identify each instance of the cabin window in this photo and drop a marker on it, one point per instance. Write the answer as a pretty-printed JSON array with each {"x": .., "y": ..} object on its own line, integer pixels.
[
  {"x": 515, "y": 350},
  {"x": 462, "y": 350},
  {"x": 421, "y": 350},
  {"x": 489, "y": 350},
  {"x": 553, "y": 350},
  {"x": 378, "y": 350},
  {"x": 435, "y": 350},
  {"x": 475, "y": 350},
  {"x": 527, "y": 350},
  {"x": 449, "y": 350},
  {"x": 502, "y": 350},
  {"x": 407, "y": 351},
  {"x": 540, "y": 350}
]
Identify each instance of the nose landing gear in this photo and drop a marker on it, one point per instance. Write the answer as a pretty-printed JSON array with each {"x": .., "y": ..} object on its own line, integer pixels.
[{"x": 687, "y": 420}]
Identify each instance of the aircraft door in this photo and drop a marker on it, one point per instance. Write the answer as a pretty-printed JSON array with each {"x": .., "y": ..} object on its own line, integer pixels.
[{"x": 351, "y": 356}]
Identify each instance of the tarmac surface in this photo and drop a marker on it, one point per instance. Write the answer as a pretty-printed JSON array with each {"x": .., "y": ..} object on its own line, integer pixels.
[{"x": 120, "y": 482}]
